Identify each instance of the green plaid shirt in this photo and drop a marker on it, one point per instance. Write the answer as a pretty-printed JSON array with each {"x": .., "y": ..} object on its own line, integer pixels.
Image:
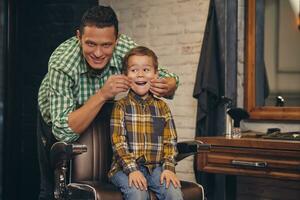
[
  {"x": 142, "y": 129},
  {"x": 69, "y": 83}
]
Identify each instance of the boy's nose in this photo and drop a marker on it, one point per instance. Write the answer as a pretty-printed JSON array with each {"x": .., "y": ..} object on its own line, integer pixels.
[{"x": 140, "y": 73}]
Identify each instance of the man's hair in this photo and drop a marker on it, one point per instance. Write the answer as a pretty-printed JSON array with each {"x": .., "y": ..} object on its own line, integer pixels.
[
  {"x": 101, "y": 17},
  {"x": 140, "y": 51}
]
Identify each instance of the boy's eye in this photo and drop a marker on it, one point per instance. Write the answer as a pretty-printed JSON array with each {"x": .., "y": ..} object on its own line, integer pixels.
[
  {"x": 146, "y": 70},
  {"x": 133, "y": 70}
]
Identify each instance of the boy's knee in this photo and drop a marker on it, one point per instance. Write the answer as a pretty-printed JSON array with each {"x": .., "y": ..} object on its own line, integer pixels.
[
  {"x": 135, "y": 193},
  {"x": 173, "y": 193}
]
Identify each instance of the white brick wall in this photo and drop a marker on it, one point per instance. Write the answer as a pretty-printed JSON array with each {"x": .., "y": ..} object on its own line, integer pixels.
[{"x": 174, "y": 30}]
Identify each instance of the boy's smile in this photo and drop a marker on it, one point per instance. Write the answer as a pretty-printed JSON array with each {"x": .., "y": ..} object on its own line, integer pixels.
[{"x": 141, "y": 70}]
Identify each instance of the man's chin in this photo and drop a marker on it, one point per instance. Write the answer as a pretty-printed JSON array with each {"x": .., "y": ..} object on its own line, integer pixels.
[{"x": 97, "y": 66}]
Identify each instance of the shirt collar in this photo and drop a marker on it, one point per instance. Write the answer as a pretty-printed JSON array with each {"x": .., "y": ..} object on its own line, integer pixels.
[{"x": 137, "y": 99}]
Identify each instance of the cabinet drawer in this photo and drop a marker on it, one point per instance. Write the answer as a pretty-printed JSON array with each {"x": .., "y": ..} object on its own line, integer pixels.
[{"x": 251, "y": 161}]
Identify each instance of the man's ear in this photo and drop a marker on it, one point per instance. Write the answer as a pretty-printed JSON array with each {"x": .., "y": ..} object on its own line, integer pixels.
[
  {"x": 78, "y": 35},
  {"x": 117, "y": 39}
]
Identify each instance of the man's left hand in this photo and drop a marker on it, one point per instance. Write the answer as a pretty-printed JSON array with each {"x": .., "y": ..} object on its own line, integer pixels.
[{"x": 163, "y": 87}]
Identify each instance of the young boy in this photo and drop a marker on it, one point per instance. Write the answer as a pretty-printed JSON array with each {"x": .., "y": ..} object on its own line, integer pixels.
[{"x": 143, "y": 135}]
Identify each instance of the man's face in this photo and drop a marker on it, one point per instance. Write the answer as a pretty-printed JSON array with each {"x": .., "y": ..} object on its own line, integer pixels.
[
  {"x": 141, "y": 70},
  {"x": 97, "y": 45}
]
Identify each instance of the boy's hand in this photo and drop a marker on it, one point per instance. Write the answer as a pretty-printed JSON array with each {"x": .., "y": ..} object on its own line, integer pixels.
[
  {"x": 170, "y": 177},
  {"x": 163, "y": 87},
  {"x": 138, "y": 180}
]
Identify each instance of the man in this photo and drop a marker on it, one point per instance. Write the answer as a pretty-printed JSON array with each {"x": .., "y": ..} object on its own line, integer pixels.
[{"x": 83, "y": 73}]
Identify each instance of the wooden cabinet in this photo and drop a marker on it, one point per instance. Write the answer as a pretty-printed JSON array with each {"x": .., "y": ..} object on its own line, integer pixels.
[{"x": 251, "y": 157}]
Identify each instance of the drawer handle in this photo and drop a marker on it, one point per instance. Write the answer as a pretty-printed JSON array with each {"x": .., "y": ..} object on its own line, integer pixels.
[{"x": 249, "y": 164}]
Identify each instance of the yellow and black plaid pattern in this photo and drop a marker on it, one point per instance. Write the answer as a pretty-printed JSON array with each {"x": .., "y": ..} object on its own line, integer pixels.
[{"x": 142, "y": 128}]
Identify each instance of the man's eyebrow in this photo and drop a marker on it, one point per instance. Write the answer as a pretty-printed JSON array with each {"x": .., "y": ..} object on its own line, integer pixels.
[
  {"x": 90, "y": 41},
  {"x": 104, "y": 43}
]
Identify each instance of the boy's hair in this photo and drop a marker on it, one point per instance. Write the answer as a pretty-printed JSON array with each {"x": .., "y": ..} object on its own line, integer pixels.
[
  {"x": 140, "y": 51},
  {"x": 101, "y": 17}
]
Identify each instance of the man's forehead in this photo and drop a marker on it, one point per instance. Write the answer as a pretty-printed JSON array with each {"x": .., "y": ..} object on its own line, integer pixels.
[{"x": 93, "y": 28}]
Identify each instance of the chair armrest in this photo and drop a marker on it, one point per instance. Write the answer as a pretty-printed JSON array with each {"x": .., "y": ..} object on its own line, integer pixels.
[
  {"x": 61, "y": 152},
  {"x": 188, "y": 148}
]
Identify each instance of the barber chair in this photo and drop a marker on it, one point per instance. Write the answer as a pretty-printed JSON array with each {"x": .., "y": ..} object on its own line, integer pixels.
[{"x": 81, "y": 168}]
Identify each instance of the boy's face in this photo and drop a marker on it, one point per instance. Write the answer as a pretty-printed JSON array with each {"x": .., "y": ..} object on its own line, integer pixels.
[
  {"x": 141, "y": 70},
  {"x": 97, "y": 45}
]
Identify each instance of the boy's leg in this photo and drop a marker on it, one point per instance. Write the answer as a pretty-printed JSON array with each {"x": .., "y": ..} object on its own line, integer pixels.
[
  {"x": 160, "y": 190},
  {"x": 120, "y": 179}
]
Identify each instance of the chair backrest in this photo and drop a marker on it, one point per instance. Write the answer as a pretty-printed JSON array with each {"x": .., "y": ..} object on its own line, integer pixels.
[{"x": 95, "y": 163}]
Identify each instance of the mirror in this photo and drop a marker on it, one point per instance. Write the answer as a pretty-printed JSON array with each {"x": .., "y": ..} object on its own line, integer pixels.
[{"x": 272, "y": 76}]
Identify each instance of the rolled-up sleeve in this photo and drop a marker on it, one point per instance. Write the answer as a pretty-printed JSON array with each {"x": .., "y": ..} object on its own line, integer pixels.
[
  {"x": 62, "y": 103},
  {"x": 165, "y": 73}
]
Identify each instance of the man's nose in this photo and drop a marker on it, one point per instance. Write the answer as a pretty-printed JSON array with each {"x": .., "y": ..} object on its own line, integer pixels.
[{"x": 98, "y": 51}]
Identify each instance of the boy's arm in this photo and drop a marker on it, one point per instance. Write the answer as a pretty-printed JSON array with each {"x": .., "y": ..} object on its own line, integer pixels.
[
  {"x": 119, "y": 141},
  {"x": 170, "y": 142}
]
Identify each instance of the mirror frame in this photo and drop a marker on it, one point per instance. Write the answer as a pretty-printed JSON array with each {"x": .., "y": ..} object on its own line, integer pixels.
[{"x": 256, "y": 112}]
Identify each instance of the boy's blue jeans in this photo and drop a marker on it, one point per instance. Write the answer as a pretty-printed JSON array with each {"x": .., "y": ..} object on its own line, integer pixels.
[{"x": 120, "y": 179}]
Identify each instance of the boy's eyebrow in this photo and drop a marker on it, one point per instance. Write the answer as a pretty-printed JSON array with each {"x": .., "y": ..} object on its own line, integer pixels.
[{"x": 140, "y": 65}]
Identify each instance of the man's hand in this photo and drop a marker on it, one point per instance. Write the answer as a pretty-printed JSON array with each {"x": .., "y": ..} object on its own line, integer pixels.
[
  {"x": 114, "y": 85},
  {"x": 138, "y": 180},
  {"x": 169, "y": 176},
  {"x": 163, "y": 87}
]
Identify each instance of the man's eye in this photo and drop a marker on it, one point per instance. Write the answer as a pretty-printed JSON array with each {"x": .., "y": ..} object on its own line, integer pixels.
[
  {"x": 90, "y": 44},
  {"x": 106, "y": 45}
]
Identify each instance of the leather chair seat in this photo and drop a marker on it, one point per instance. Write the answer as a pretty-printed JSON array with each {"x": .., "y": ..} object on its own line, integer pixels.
[{"x": 107, "y": 191}]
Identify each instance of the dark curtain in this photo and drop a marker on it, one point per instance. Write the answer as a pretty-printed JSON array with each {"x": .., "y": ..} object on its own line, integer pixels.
[
  {"x": 213, "y": 82},
  {"x": 209, "y": 85}
]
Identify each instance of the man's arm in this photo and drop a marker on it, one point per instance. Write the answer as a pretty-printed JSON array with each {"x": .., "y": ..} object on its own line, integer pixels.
[
  {"x": 81, "y": 118},
  {"x": 67, "y": 121}
]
